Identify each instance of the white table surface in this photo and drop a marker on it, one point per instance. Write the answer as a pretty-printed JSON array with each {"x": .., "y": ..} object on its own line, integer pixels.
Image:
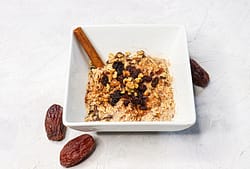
[{"x": 34, "y": 49}]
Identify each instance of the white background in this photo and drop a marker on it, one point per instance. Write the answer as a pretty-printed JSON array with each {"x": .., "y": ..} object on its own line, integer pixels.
[{"x": 34, "y": 49}]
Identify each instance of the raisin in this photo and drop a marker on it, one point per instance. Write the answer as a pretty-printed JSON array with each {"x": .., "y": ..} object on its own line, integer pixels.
[
  {"x": 119, "y": 67},
  {"x": 147, "y": 78},
  {"x": 104, "y": 80},
  {"x": 135, "y": 100},
  {"x": 126, "y": 96},
  {"x": 126, "y": 102},
  {"x": 159, "y": 71},
  {"x": 142, "y": 87},
  {"x": 135, "y": 73},
  {"x": 142, "y": 99},
  {"x": 140, "y": 93},
  {"x": 115, "y": 97},
  {"x": 143, "y": 107},
  {"x": 53, "y": 123},
  {"x": 120, "y": 78},
  {"x": 199, "y": 76},
  {"x": 77, "y": 150},
  {"x": 155, "y": 81},
  {"x": 113, "y": 101},
  {"x": 130, "y": 68},
  {"x": 152, "y": 74}
]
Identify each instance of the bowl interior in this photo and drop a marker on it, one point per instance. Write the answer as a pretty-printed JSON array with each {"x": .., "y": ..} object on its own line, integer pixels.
[{"x": 161, "y": 41}]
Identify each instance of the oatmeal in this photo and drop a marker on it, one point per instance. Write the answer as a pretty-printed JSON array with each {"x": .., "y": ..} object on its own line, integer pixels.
[{"x": 130, "y": 88}]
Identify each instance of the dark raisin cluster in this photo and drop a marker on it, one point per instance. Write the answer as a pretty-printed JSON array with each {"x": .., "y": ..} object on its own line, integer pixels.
[
  {"x": 155, "y": 81},
  {"x": 104, "y": 80},
  {"x": 133, "y": 71},
  {"x": 115, "y": 97},
  {"x": 137, "y": 99},
  {"x": 119, "y": 67}
]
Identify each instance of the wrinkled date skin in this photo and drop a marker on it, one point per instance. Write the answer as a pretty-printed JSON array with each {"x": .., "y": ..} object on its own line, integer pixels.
[
  {"x": 77, "y": 150},
  {"x": 199, "y": 76},
  {"x": 53, "y": 123}
]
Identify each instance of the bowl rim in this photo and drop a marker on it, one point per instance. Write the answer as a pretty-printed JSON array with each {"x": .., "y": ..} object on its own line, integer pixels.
[{"x": 140, "y": 123}]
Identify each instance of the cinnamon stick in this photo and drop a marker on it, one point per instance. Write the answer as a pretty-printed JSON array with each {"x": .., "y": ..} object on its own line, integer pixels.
[{"x": 88, "y": 47}]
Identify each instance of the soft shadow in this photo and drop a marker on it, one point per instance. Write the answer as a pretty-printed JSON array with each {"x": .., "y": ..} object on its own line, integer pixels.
[{"x": 193, "y": 130}]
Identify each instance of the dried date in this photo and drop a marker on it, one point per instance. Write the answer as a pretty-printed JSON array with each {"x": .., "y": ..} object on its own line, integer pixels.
[
  {"x": 199, "y": 76},
  {"x": 77, "y": 150},
  {"x": 53, "y": 123}
]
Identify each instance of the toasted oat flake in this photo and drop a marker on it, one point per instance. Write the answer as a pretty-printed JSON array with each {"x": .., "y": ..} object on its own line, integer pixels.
[{"x": 129, "y": 87}]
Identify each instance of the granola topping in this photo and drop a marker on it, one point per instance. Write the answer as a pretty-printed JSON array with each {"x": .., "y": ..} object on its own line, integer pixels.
[{"x": 130, "y": 88}]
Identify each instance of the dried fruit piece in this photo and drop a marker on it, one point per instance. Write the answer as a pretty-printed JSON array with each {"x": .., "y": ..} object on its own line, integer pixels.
[
  {"x": 126, "y": 102},
  {"x": 142, "y": 87},
  {"x": 133, "y": 71},
  {"x": 147, "y": 78},
  {"x": 119, "y": 67},
  {"x": 104, "y": 80},
  {"x": 77, "y": 150},
  {"x": 143, "y": 107},
  {"x": 115, "y": 97},
  {"x": 159, "y": 71},
  {"x": 199, "y": 75},
  {"x": 154, "y": 82},
  {"x": 53, "y": 123},
  {"x": 120, "y": 78}
]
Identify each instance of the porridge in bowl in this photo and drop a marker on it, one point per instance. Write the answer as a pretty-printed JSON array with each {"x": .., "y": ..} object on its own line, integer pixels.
[{"x": 129, "y": 87}]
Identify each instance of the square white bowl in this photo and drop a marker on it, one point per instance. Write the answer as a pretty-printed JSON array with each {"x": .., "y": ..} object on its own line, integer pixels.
[{"x": 167, "y": 41}]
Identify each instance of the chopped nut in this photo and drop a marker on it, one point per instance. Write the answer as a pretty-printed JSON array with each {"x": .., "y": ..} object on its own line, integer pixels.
[
  {"x": 119, "y": 54},
  {"x": 123, "y": 91},
  {"x": 130, "y": 85},
  {"x": 133, "y": 61},
  {"x": 124, "y": 80},
  {"x": 112, "y": 70},
  {"x": 147, "y": 93},
  {"x": 136, "y": 86},
  {"x": 105, "y": 99},
  {"x": 109, "y": 67},
  {"x": 137, "y": 80},
  {"x": 164, "y": 74},
  {"x": 106, "y": 96},
  {"x": 129, "y": 79},
  {"x": 135, "y": 94},
  {"x": 140, "y": 75},
  {"x": 140, "y": 52},
  {"x": 114, "y": 83},
  {"x": 114, "y": 75},
  {"x": 111, "y": 56},
  {"x": 127, "y": 53},
  {"x": 126, "y": 73},
  {"x": 109, "y": 77},
  {"x": 156, "y": 95},
  {"x": 108, "y": 87}
]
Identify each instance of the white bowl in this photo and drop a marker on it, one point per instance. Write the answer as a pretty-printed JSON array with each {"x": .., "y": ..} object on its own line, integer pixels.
[{"x": 168, "y": 41}]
